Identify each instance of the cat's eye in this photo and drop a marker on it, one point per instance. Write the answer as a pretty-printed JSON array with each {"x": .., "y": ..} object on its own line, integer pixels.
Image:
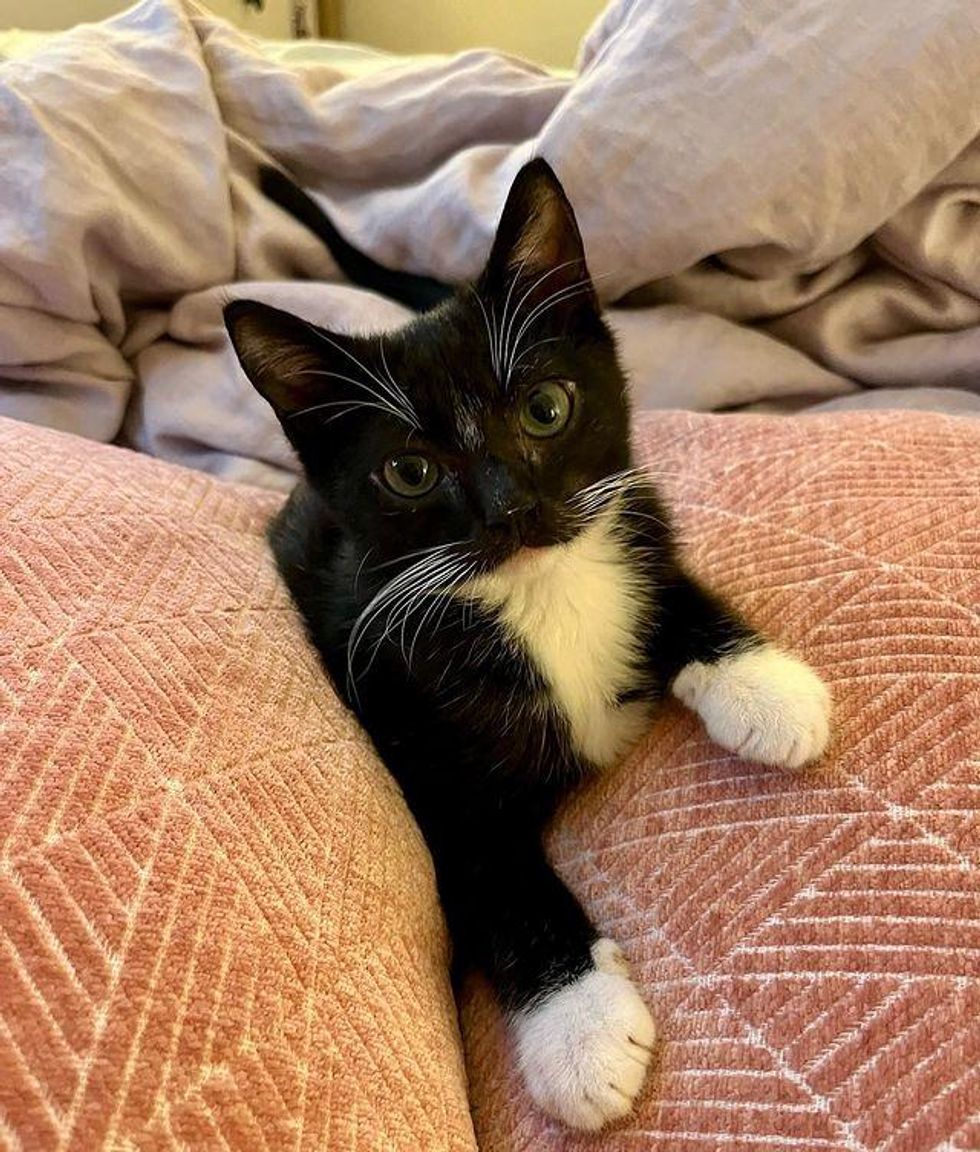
[
  {"x": 410, "y": 474},
  {"x": 546, "y": 409}
]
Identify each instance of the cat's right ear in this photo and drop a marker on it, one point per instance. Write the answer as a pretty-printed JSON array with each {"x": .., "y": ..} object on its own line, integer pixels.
[
  {"x": 538, "y": 244},
  {"x": 282, "y": 355}
]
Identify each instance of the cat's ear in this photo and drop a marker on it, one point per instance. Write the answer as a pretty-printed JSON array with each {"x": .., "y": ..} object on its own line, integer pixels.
[
  {"x": 312, "y": 377},
  {"x": 281, "y": 354},
  {"x": 538, "y": 244}
]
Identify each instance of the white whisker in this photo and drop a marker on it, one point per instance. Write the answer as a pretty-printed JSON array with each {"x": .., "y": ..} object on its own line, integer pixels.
[
  {"x": 396, "y": 387},
  {"x": 505, "y": 324},
  {"x": 443, "y": 596},
  {"x": 549, "y": 302},
  {"x": 409, "y": 411},
  {"x": 399, "y": 598},
  {"x": 579, "y": 287},
  {"x": 600, "y": 493},
  {"x": 538, "y": 281},
  {"x": 643, "y": 516},
  {"x": 512, "y": 368},
  {"x": 418, "y": 552},
  {"x": 448, "y": 600},
  {"x": 486, "y": 322},
  {"x": 360, "y": 567},
  {"x": 348, "y": 407},
  {"x": 495, "y": 355},
  {"x": 613, "y": 479},
  {"x": 416, "y": 596},
  {"x": 383, "y": 598},
  {"x": 383, "y": 402}
]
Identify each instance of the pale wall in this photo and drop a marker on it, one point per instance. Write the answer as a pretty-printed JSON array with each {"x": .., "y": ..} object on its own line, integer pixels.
[
  {"x": 544, "y": 30},
  {"x": 43, "y": 15},
  {"x": 49, "y": 14}
]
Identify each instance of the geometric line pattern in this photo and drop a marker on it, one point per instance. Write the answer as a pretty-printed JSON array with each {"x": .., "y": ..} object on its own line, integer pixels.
[
  {"x": 218, "y": 923},
  {"x": 809, "y": 944}
]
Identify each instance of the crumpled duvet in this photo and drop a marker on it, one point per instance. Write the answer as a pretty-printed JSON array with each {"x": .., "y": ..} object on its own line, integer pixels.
[{"x": 783, "y": 197}]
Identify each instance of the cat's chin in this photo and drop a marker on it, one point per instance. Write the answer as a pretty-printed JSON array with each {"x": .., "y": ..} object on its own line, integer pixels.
[
  {"x": 529, "y": 554},
  {"x": 529, "y": 558},
  {"x": 530, "y": 551}
]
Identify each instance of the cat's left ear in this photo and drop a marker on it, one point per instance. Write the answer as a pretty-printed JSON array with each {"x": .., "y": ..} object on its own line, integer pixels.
[
  {"x": 307, "y": 374},
  {"x": 280, "y": 353},
  {"x": 538, "y": 244}
]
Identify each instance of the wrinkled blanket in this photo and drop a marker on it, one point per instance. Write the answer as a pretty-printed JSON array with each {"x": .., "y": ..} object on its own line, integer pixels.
[{"x": 784, "y": 194}]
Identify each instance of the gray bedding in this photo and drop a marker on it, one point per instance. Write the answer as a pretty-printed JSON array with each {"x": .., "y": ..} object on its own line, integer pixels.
[{"x": 782, "y": 197}]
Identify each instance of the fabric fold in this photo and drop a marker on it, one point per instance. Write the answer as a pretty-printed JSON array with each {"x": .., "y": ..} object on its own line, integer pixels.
[{"x": 783, "y": 197}]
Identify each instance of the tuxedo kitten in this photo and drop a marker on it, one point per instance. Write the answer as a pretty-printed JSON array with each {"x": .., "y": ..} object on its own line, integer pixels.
[{"x": 494, "y": 589}]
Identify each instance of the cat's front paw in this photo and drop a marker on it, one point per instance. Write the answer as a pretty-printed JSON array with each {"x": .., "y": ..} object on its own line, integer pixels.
[
  {"x": 762, "y": 704},
  {"x": 584, "y": 1048}
]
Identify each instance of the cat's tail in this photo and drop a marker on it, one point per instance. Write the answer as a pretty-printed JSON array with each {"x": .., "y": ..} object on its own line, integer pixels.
[{"x": 419, "y": 293}]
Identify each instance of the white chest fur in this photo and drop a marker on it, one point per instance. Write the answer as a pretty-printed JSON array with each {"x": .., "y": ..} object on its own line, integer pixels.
[{"x": 575, "y": 610}]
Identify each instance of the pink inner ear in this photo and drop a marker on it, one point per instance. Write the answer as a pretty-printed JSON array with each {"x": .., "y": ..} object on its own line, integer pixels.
[
  {"x": 540, "y": 244},
  {"x": 287, "y": 374}
]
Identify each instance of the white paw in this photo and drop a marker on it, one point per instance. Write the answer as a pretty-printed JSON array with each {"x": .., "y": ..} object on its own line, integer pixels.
[
  {"x": 585, "y": 1048},
  {"x": 762, "y": 704}
]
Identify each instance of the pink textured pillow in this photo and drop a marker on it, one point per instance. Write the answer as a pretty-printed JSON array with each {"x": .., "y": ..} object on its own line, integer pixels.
[
  {"x": 809, "y": 944},
  {"x": 218, "y": 923}
]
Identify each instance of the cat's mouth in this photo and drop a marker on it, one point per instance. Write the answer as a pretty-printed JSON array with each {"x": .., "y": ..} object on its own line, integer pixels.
[{"x": 528, "y": 540}]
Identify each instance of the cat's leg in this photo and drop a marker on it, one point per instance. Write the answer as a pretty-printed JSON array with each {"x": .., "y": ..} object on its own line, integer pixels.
[
  {"x": 582, "y": 1034},
  {"x": 754, "y": 699}
]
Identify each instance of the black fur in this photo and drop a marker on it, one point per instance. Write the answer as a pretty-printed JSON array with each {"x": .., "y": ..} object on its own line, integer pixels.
[
  {"x": 416, "y": 292},
  {"x": 457, "y": 710}
]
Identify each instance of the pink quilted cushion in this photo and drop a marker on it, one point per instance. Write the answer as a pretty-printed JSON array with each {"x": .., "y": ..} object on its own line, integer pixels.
[
  {"x": 810, "y": 945},
  {"x": 217, "y": 923}
]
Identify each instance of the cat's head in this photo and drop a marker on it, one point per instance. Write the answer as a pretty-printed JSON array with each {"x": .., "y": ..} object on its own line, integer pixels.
[{"x": 479, "y": 422}]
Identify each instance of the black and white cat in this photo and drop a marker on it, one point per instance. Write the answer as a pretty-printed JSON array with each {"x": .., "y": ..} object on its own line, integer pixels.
[{"x": 495, "y": 590}]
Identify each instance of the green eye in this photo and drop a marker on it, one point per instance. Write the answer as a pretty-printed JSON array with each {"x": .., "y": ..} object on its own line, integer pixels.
[
  {"x": 546, "y": 409},
  {"x": 410, "y": 474}
]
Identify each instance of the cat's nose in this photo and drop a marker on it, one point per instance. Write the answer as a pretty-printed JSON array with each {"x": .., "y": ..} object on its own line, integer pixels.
[
  {"x": 508, "y": 516},
  {"x": 502, "y": 497}
]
